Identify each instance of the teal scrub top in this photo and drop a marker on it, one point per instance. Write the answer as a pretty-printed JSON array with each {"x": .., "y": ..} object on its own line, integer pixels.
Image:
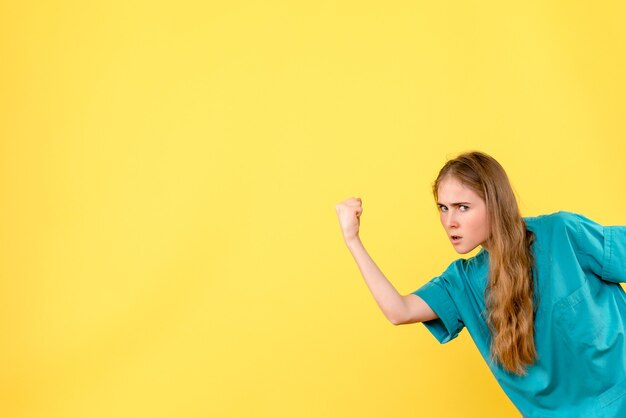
[{"x": 580, "y": 317}]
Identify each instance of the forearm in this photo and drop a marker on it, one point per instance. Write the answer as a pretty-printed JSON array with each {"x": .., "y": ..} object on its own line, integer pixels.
[{"x": 386, "y": 296}]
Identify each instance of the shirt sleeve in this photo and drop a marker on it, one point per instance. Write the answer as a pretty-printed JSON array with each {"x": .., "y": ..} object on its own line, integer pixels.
[
  {"x": 602, "y": 249},
  {"x": 438, "y": 294}
]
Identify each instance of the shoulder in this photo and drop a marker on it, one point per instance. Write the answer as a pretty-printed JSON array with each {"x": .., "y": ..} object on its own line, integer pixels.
[
  {"x": 558, "y": 221},
  {"x": 467, "y": 267}
]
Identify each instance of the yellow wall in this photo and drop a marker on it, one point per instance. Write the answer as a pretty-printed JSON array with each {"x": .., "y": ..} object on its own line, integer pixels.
[{"x": 169, "y": 173}]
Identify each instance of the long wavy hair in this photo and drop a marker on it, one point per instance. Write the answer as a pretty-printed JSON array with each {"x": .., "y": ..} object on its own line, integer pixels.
[{"x": 509, "y": 292}]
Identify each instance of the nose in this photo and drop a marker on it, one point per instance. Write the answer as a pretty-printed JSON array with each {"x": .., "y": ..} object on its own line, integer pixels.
[{"x": 450, "y": 220}]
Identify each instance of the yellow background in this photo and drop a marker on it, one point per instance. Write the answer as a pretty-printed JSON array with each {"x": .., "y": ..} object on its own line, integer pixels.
[{"x": 169, "y": 173}]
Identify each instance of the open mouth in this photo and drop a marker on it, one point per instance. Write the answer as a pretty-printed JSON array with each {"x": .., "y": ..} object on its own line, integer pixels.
[{"x": 455, "y": 238}]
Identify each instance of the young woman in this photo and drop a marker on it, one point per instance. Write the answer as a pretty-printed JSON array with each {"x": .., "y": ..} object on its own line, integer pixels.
[{"x": 541, "y": 299}]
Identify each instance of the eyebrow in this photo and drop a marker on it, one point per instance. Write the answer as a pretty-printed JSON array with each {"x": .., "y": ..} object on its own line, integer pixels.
[{"x": 455, "y": 204}]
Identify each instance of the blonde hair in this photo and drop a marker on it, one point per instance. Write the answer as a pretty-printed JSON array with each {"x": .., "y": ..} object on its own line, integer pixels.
[{"x": 510, "y": 290}]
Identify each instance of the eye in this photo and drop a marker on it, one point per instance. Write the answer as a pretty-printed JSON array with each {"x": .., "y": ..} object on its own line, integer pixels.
[
  {"x": 463, "y": 208},
  {"x": 442, "y": 208}
]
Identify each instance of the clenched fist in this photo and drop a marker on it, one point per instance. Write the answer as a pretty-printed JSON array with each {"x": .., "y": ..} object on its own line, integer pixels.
[{"x": 349, "y": 212}]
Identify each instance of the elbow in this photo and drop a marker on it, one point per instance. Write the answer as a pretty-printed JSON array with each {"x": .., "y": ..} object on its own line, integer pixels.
[
  {"x": 398, "y": 315},
  {"x": 396, "y": 320}
]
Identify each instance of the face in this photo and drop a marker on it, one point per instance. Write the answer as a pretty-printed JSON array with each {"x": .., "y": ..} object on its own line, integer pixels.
[{"x": 463, "y": 215}]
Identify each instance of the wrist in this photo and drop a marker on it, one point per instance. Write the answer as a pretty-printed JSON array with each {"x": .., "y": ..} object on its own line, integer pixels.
[{"x": 353, "y": 241}]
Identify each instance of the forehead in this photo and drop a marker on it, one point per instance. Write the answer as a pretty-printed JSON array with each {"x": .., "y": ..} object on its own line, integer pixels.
[{"x": 452, "y": 190}]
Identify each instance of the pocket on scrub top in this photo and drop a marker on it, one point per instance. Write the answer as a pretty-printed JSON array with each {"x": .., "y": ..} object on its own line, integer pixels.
[
  {"x": 614, "y": 400},
  {"x": 579, "y": 320}
]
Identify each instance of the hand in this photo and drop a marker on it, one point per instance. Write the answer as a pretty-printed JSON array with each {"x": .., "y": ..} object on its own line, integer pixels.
[{"x": 349, "y": 212}]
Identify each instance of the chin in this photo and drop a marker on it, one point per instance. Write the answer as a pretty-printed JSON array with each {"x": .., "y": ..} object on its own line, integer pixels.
[{"x": 464, "y": 250}]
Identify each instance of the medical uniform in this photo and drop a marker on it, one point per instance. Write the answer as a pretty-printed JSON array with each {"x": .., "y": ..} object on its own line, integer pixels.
[{"x": 580, "y": 320}]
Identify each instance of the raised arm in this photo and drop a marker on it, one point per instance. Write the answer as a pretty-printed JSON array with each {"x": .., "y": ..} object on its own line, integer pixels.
[{"x": 397, "y": 308}]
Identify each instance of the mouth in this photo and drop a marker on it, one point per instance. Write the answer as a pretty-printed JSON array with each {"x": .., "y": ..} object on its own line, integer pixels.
[{"x": 455, "y": 239}]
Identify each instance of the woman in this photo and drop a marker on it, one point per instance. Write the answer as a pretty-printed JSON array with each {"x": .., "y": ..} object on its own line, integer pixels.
[{"x": 542, "y": 294}]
